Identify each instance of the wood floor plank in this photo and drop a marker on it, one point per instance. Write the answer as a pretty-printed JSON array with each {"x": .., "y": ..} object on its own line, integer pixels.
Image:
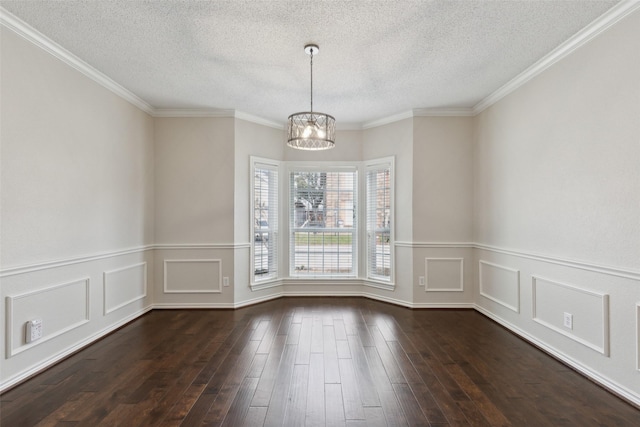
[
  {"x": 330, "y": 352},
  {"x": 353, "y": 409},
  {"x": 313, "y": 362},
  {"x": 262, "y": 396},
  {"x": 388, "y": 399},
  {"x": 304, "y": 342},
  {"x": 255, "y": 416},
  {"x": 366, "y": 387},
  {"x": 280, "y": 393},
  {"x": 412, "y": 411},
  {"x": 315, "y": 414},
  {"x": 296, "y": 409},
  {"x": 334, "y": 405},
  {"x": 239, "y": 408}
]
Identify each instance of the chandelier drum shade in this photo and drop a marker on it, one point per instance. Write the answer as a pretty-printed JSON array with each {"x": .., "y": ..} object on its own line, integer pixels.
[{"x": 309, "y": 130}]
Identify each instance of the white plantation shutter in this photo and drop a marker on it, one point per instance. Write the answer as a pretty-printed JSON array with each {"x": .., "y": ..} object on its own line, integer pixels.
[
  {"x": 379, "y": 221},
  {"x": 265, "y": 221},
  {"x": 323, "y": 223}
]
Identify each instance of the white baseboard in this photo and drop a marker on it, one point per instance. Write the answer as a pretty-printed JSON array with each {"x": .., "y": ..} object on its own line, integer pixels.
[
  {"x": 612, "y": 386},
  {"x": 41, "y": 366},
  {"x": 187, "y": 305}
]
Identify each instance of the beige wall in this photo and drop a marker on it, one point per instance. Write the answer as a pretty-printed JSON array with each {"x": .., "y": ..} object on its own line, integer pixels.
[
  {"x": 250, "y": 140},
  {"x": 545, "y": 183},
  {"x": 557, "y": 208},
  {"x": 442, "y": 179},
  {"x": 558, "y": 160},
  {"x": 194, "y": 191},
  {"x": 77, "y": 170},
  {"x": 77, "y": 203}
]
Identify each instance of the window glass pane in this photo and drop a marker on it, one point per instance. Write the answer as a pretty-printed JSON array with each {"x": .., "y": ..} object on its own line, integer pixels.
[
  {"x": 265, "y": 222},
  {"x": 379, "y": 223},
  {"x": 323, "y": 223}
]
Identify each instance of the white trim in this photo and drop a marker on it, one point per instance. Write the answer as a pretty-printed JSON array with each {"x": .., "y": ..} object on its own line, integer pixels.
[
  {"x": 166, "y": 290},
  {"x": 376, "y": 165},
  {"x": 386, "y": 120},
  {"x": 582, "y": 37},
  {"x": 349, "y": 126},
  {"x": 123, "y": 304},
  {"x": 258, "y": 300},
  {"x": 605, "y": 382},
  {"x": 601, "y": 24},
  {"x": 47, "y": 337},
  {"x": 463, "y": 305},
  {"x": 426, "y": 275},
  {"x": 492, "y": 298},
  {"x": 41, "y": 366},
  {"x": 431, "y": 245},
  {"x": 32, "y": 35},
  {"x": 322, "y": 281},
  {"x": 193, "y": 112},
  {"x": 444, "y": 112},
  {"x": 30, "y": 268},
  {"x": 192, "y": 305},
  {"x": 274, "y": 219},
  {"x": 604, "y": 349},
  {"x": 168, "y": 246},
  {"x": 379, "y": 284},
  {"x": 258, "y": 120},
  {"x": 582, "y": 265},
  {"x": 267, "y": 284},
  {"x": 638, "y": 336}
]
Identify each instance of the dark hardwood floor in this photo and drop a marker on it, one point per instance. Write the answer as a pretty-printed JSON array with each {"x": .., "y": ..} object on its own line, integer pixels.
[{"x": 314, "y": 362}]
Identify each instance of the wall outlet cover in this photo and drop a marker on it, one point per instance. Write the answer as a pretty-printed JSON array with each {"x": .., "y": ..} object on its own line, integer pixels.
[{"x": 34, "y": 330}]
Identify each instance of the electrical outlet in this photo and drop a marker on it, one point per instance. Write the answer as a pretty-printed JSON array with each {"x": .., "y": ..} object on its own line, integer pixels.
[
  {"x": 568, "y": 320},
  {"x": 421, "y": 280},
  {"x": 34, "y": 330},
  {"x": 225, "y": 281}
]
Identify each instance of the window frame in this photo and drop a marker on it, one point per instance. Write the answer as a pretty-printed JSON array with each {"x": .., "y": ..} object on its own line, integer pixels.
[
  {"x": 369, "y": 166},
  {"x": 352, "y": 167},
  {"x": 273, "y": 224}
]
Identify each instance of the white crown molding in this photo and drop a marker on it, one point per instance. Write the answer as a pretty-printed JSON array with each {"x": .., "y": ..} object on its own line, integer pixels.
[
  {"x": 443, "y": 112},
  {"x": 258, "y": 120},
  {"x": 387, "y": 120},
  {"x": 348, "y": 126},
  {"x": 192, "y": 112},
  {"x": 601, "y": 24},
  {"x": 29, "y": 33}
]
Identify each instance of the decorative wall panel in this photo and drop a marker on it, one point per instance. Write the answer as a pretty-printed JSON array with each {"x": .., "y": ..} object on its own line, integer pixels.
[
  {"x": 188, "y": 276},
  {"x": 61, "y": 308},
  {"x": 444, "y": 274},
  {"x": 589, "y": 312},
  {"x": 124, "y": 286},
  {"x": 500, "y": 284}
]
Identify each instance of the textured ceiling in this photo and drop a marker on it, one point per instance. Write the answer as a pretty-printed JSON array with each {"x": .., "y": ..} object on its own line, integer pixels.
[{"x": 377, "y": 58}]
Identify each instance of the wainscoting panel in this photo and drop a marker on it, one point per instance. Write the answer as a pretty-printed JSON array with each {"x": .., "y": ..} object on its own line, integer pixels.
[
  {"x": 589, "y": 311},
  {"x": 500, "y": 284},
  {"x": 124, "y": 286},
  {"x": 189, "y": 276},
  {"x": 444, "y": 274},
  {"x": 61, "y": 307}
]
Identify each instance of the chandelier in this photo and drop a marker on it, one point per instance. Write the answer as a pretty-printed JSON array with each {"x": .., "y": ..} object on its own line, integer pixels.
[{"x": 309, "y": 130}]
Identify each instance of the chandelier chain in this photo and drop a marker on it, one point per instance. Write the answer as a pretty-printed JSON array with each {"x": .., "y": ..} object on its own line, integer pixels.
[{"x": 311, "y": 80}]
